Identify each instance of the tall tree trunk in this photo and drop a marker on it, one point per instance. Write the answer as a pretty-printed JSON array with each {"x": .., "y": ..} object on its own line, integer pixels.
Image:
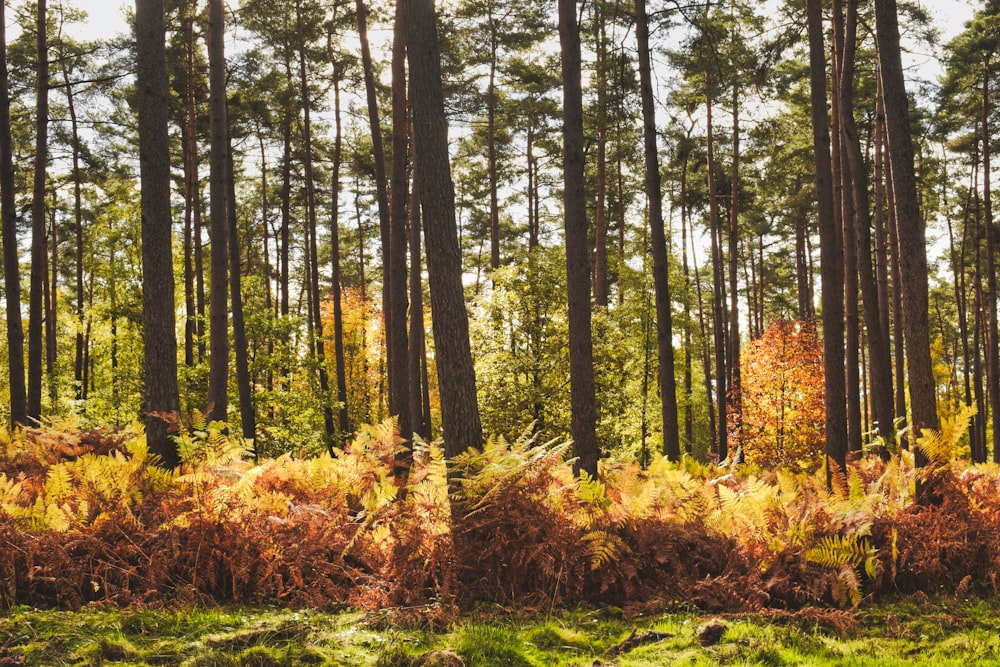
[
  {"x": 38, "y": 220},
  {"x": 582, "y": 391},
  {"x": 318, "y": 343},
  {"x": 399, "y": 374},
  {"x": 78, "y": 232},
  {"x": 343, "y": 422},
  {"x": 491, "y": 141},
  {"x": 160, "y": 357},
  {"x": 661, "y": 283},
  {"x": 718, "y": 283},
  {"x": 688, "y": 373},
  {"x": 831, "y": 259},
  {"x": 420, "y": 422},
  {"x": 11, "y": 260},
  {"x": 457, "y": 377},
  {"x": 992, "y": 350},
  {"x": 882, "y": 251},
  {"x": 735, "y": 389},
  {"x": 241, "y": 350},
  {"x": 396, "y": 403},
  {"x": 600, "y": 208},
  {"x": 857, "y": 176},
  {"x": 189, "y": 136},
  {"x": 806, "y": 311},
  {"x": 218, "y": 372},
  {"x": 910, "y": 231},
  {"x": 51, "y": 310},
  {"x": 844, "y": 198}
]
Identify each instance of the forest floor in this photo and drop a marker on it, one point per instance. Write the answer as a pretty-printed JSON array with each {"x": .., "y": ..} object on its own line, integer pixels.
[{"x": 909, "y": 631}]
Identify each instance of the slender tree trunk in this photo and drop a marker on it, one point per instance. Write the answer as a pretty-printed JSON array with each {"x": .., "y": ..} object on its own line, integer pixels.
[
  {"x": 688, "y": 374},
  {"x": 719, "y": 290},
  {"x": 456, "y": 374},
  {"x": 878, "y": 345},
  {"x": 38, "y": 220},
  {"x": 420, "y": 422},
  {"x": 396, "y": 403},
  {"x": 831, "y": 259},
  {"x": 11, "y": 260},
  {"x": 491, "y": 142},
  {"x": 844, "y": 198},
  {"x": 241, "y": 346},
  {"x": 191, "y": 194},
  {"x": 661, "y": 284},
  {"x": 992, "y": 356},
  {"x": 161, "y": 393},
  {"x": 78, "y": 230},
  {"x": 343, "y": 421},
  {"x": 582, "y": 391},
  {"x": 706, "y": 343},
  {"x": 317, "y": 343},
  {"x": 882, "y": 251},
  {"x": 734, "y": 393},
  {"x": 600, "y": 208},
  {"x": 218, "y": 378},
  {"x": 399, "y": 374},
  {"x": 910, "y": 231},
  {"x": 51, "y": 310}
]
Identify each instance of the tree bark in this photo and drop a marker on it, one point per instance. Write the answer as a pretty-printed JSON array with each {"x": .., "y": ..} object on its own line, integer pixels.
[
  {"x": 218, "y": 373},
  {"x": 661, "y": 283},
  {"x": 160, "y": 358},
  {"x": 718, "y": 283},
  {"x": 582, "y": 390},
  {"x": 399, "y": 374},
  {"x": 457, "y": 378},
  {"x": 11, "y": 259},
  {"x": 910, "y": 231},
  {"x": 39, "y": 268},
  {"x": 831, "y": 259},
  {"x": 343, "y": 421}
]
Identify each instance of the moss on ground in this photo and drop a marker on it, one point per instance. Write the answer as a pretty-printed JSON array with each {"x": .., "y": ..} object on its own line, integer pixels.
[{"x": 911, "y": 631}]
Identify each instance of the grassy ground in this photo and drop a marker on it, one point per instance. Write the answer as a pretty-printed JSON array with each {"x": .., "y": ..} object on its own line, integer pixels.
[{"x": 907, "y": 632}]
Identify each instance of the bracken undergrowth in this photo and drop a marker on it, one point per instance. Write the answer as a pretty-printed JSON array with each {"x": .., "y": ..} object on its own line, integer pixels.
[{"x": 90, "y": 518}]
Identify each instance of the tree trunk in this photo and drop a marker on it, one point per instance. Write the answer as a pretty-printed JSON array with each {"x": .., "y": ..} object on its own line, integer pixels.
[
  {"x": 396, "y": 403},
  {"x": 344, "y": 423},
  {"x": 831, "y": 259},
  {"x": 735, "y": 389},
  {"x": 11, "y": 260},
  {"x": 78, "y": 230},
  {"x": 719, "y": 289},
  {"x": 910, "y": 231},
  {"x": 38, "y": 221},
  {"x": 218, "y": 373},
  {"x": 190, "y": 142},
  {"x": 661, "y": 284},
  {"x": 161, "y": 394},
  {"x": 241, "y": 350},
  {"x": 582, "y": 391},
  {"x": 491, "y": 142},
  {"x": 992, "y": 357},
  {"x": 600, "y": 208},
  {"x": 399, "y": 374},
  {"x": 857, "y": 176},
  {"x": 459, "y": 406}
]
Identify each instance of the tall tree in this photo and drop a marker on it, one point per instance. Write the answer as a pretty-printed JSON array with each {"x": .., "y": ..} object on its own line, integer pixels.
[
  {"x": 38, "y": 220},
  {"x": 910, "y": 229},
  {"x": 160, "y": 358},
  {"x": 661, "y": 283},
  {"x": 218, "y": 377},
  {"x": 581, "y": 345},
  {"x": 830, "y": 251},
  {"x": 456, "y": 374},
  {"x": 11, "y": 260}
]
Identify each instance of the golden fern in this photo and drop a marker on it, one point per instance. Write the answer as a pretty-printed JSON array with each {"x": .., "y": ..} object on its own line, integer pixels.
[
  {"x": 940, "y": 446},
  {"x": 845, "y": 556}
]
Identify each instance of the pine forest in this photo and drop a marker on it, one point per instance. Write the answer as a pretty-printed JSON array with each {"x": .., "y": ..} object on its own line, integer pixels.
[{"x": 411, "y": 307}]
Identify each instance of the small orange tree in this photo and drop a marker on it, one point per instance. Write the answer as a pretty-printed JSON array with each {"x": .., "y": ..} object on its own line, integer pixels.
[{"x": 783, "y": 407}]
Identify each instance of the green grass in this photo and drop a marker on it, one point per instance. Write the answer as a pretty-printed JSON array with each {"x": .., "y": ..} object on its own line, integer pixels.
[{"x": 912, "y": 631}]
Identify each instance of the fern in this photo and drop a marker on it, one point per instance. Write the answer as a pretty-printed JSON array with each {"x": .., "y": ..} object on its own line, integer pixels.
[
  {"x": 845, "y": 556},
  {"x": 940, "y": 446}
]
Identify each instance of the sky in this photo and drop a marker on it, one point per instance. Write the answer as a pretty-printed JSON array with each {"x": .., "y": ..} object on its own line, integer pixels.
[{"x": 107, "y": 18}]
